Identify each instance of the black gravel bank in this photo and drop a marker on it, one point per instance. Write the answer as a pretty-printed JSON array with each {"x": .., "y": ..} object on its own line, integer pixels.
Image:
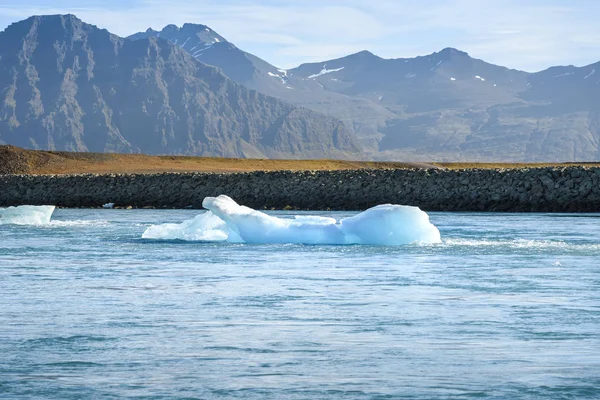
[{"x": 567, "y": 189}]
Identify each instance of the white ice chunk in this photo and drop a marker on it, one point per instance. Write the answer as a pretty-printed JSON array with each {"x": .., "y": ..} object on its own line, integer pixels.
[
  {"x": 325, "y": 71},
  {"x": 26, "y": 215},
  {"x": 385, "y": 225},
  {"x": 390, "y": 224},
  {"x": 108, "y": 205},
  {"x": 204, "y": 227}
]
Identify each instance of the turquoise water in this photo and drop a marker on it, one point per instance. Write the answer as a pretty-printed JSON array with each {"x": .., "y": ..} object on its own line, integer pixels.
[{"x": 507, "y": 307}]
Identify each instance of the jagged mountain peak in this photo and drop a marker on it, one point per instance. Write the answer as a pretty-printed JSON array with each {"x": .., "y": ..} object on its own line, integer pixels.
[{"x": 194, "y": 38}]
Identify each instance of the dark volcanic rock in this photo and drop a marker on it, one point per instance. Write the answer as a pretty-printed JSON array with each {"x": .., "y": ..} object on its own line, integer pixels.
[
  {"x": 67, "y": 85},
  {"x": 531, "y": 189}
]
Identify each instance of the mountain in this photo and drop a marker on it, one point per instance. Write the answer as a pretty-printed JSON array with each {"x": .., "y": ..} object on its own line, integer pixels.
[
  {"x": 67, "y": 85},
  {"x": 362, "y": 116},
  {"x": 443, "y": 106},
  {"x": 450, "y": 106}
]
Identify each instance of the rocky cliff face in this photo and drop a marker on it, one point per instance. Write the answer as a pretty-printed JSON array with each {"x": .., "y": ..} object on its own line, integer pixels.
[{"x": 67, "y": 85}]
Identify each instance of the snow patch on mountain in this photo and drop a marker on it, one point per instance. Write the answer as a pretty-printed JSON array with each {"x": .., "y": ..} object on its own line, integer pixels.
[
  {"x": 480, "y": 78},
  {"x": 590, "y": 74},
  {"x": 282, "y": 78},
  {"x": 437, "y": 65},
  {"x": 565, "y": 74},
  {"x": 325, "y": 71}
]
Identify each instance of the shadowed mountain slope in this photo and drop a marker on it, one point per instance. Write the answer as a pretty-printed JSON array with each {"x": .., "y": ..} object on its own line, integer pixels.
[{"x": 67, "y": 85}]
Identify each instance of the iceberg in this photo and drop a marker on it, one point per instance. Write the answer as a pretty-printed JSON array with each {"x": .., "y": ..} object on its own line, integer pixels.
[
  {"x": 226, "y": 220},
  {"x": 26, "y": 215},
  {"x": 204, "y": 227}
]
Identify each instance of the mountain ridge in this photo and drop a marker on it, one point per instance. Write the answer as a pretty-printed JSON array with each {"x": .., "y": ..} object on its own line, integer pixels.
[
  {"x": 444, "y": 106},
  {"x": 69, "y": 85}
]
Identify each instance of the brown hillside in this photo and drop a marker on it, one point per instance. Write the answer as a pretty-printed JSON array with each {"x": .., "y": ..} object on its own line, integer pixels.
[{"x": 15, "y": 160}]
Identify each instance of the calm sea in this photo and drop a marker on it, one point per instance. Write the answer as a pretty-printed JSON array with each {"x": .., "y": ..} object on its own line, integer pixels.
[{"x": 508, "y": 307}]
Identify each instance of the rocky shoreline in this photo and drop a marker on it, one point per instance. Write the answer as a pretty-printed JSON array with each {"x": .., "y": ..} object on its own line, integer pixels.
[{"x": 548, "y": 189}]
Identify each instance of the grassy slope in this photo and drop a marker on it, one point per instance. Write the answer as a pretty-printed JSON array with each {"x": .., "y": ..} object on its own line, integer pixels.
[{"x": 17, "y": 160}]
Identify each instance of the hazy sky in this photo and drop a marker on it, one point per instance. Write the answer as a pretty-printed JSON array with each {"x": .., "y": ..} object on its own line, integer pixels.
[{"x": 523, "y": 34}]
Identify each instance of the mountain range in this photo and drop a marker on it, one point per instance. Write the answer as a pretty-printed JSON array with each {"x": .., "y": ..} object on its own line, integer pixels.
[{"x": 187, "y": 90}]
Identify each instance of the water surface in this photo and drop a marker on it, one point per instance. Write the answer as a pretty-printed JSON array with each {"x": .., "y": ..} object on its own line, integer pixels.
[{"x": 508, "y": 306}]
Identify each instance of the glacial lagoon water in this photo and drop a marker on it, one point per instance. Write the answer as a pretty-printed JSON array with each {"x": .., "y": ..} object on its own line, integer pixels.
[{"x": 506, "y": 307}]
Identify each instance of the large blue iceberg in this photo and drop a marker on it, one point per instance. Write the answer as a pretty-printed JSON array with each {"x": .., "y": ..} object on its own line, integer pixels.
[
  {"x": 26, "y": 215},
  {"x": 226, "y": 220}
]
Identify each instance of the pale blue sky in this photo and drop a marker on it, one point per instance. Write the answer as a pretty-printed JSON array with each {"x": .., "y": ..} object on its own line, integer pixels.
[{"x": 523, "y": 34}]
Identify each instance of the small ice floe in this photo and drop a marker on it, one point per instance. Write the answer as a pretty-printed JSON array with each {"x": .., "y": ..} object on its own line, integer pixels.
[
  {"x": 480, "y": 78},
  {"x": 325, "y": 71},
  {"x": 386, "y": 224},
  {"x": 26, "y": 215},
  {"x": 108, "y": 205}
]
